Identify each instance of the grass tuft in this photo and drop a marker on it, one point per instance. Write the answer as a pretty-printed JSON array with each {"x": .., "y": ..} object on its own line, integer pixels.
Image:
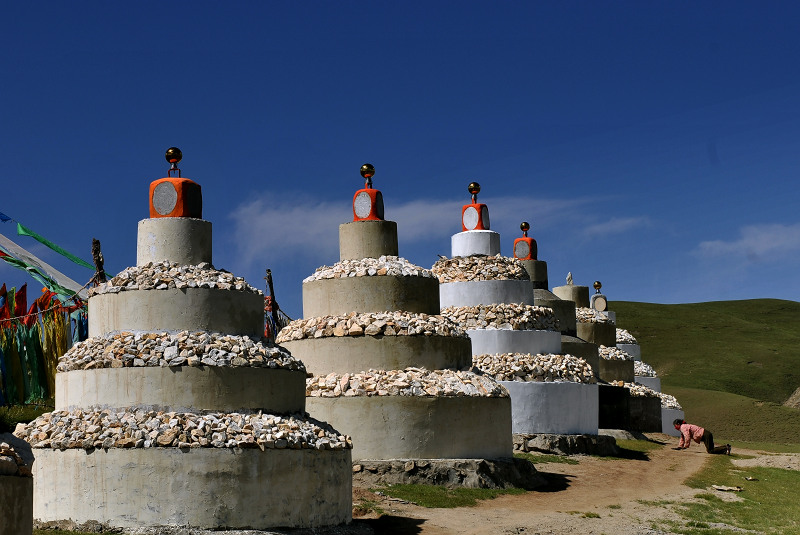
[{"x": 437, "y": 496}]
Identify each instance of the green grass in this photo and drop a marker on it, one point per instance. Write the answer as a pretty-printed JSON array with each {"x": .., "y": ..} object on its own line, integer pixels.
[
  {"x": 436, "y": 496},
  {"x": 731, "y": 364},
  {"x": 541, "y": 458},
  {"x": 11, "y": 416},
  {"x": 768, "y": 505},
  {"x": 633, "y": 449}
]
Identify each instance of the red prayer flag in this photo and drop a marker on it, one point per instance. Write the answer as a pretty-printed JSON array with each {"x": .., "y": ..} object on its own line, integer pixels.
[{"x": 21, "y": 301}]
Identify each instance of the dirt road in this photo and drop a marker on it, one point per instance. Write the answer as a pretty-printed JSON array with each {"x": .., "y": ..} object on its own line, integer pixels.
[{"x": 593, "y": 497}]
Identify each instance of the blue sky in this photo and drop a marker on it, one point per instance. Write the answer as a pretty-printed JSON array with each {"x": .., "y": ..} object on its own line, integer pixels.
[{"x": 654, "y": 146}]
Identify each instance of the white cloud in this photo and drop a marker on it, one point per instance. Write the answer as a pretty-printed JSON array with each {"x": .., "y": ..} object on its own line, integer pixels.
[
  {"x": 303, "y": 226},
  {"x": 755, "y": 242},
  {"x": 615, "y": 225}
]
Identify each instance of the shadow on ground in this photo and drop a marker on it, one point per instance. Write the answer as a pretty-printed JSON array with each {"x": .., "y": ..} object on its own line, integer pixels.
[{"x": 394, "y": 525}]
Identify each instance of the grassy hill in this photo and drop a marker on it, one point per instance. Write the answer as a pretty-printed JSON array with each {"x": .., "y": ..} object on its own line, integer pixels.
[{"x": 731, "y": 364}]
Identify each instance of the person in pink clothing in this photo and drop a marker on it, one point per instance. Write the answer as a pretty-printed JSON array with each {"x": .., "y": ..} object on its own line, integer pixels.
[{"x": 691, "y": 432}]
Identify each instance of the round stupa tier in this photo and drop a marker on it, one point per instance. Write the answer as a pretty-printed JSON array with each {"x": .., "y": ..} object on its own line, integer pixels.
[
  {"x": 417, "y": 427},
  {"x": 581, "y": 349},
  {"x": 564, "y": 310},
  {"x": 16, "y": 487},
  {"x": 209, "y": 487},
  {"x": 653, "y": 383},
  {"x": 367, "y": 239},
  {"x": 475, "y": 242},
  {"x": 485, "y": 292},
  {"x": 558, "y": 407},
  {"x": 602, "y": 334},
  {"x": 184, "y": 388},
  {"x": 512, "y": 341},
  {"x": 667, "y": 417},
  {"x": 178, "y": 309},
  {"x": 635, "y": 350},
  {"x": 176, "y": 239},
  {"x": 537, "y": 269},
  {"x": 348, "y": 354},
  {"x": 370, "y": 294},
  {"x": 572, "y": 292}
]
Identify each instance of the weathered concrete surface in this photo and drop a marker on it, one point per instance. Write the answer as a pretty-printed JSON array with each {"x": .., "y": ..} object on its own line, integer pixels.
[
  {"x": 349, "y": 354},
  {"x": 187, "y": 309},
  {"x": 415, "y": 427},
  {"x": 16, "y": 505},
  {"x": 602, "y": 334},
  {"x": 564, "y": 310},
  {"x": 645, "y": 414},
  {"x": 184, "y": 388},
  {"x": 537, "y": 270},
  {"x": 615, "y": 370},
  {"x": 554, "y": 408},
  {"x": 566, "y": 444},
  {"x": 614, "y": 412},
  {"x": 370, "y": 294},
  {"x": 635, "y": 350},
  {"x": 450, "y": 473},
  {"x": 653, "y": 383},
  {"x": 203, "y": 487},
  {"x": 177, "y": 239},
  {"x": 475, "y": 242},
  {"x": 367, "y": 239},
  {"x": 491, "y": 341},
  {"x": 576, "y": 347},
  {"x": 667, "y": 417},
  {"x": 572, "y": 292},
  {"x": 473, "y": 293}
]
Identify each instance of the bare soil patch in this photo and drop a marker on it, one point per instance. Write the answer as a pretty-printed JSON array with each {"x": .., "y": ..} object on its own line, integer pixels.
[{"x": 619, "y": 496}]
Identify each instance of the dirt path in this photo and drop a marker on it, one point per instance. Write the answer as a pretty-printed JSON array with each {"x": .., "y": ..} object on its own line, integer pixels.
[{"x": 611, "y": 489}]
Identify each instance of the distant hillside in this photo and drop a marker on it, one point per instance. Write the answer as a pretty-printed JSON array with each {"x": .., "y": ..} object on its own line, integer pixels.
[{"x": 748, "y": 348}]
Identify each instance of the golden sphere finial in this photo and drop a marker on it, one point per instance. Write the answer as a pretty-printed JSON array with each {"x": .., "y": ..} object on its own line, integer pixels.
[
  {"x": 173, "y": 155},
  {"x": 597, "y": 285},
  {"x": 524, "y": 226},
  {"x": 367, "y": 170},
  {"x": 474, "y": 188}
]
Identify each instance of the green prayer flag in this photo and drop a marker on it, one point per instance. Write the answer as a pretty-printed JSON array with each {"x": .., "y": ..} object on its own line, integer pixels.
[{"x": 24, "y": 231}]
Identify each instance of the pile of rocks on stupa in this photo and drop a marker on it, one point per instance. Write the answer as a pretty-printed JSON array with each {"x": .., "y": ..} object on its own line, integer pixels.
[
  {"x": 174, "y": 412},
  {"x": 16, "y": 487},
  {"x": 553, "y": 395},
  {"x": 646, "y": 375},
  {"x": 389, "y": 370}
]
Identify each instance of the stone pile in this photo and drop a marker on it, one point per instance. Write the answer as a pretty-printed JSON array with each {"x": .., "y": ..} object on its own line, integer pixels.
[
  {"x": 590, "y": 315},
  {"x": 394, "y": 323},
  {"x": 393, "y": 266},
  {"x": 624, "y": 337},
  {"x": 165, "y": 275},
  {"x": 184, "y": 348},
  {"x": 407, "y": 382},
  {"x": 535, "y": 368},
  {"x": 511, "y": 316},
  {"x": 479, "y": 268},
  {"x": 11, "y": 463},
  {"x": 139, "y": 428},
  {"x": 612, "y": 353},
  {"x": 669, "y": 402},
  {"x": 637, "y": 390},
  {"x": 643, "y": 369}
]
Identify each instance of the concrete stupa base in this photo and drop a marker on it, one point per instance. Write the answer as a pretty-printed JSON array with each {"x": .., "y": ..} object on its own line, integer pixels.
[
  {"x": 667, "y": 417},
  {"x": 634, "y": 350},
  {"x": 183, "y": 389},
  {"x": 417, "y": 427},
  {"x": 602, "y": 334},
  {"x": 492, "y": 341},
  {"x": 653, "y": 383},
  {"x": 473, "y": 293},
  {"x": 645, "y": 414},
  {"x": 595, "y": 444},
  {"x": 615, "y": 370},
  {"x": 555, "y": 408},
  {"x": 205, "y": 487},
  {"x": 16, "y": 505},
  {"x": 348, "y": 354}
]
